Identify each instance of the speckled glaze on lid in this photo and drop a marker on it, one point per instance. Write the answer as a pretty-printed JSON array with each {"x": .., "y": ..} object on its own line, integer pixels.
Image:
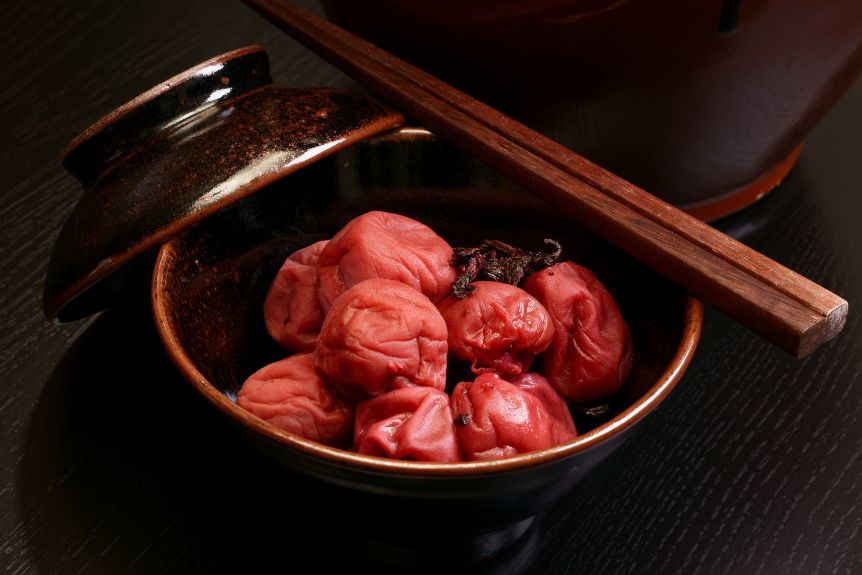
[{"x": 181, "y": 151}]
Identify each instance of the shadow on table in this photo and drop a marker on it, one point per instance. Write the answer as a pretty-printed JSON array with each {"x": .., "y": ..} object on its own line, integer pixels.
[{"x": 128, "y": 470}]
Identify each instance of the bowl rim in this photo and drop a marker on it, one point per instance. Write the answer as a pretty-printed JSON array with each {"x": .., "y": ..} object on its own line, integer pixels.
[{"x": 160, "y": 299}]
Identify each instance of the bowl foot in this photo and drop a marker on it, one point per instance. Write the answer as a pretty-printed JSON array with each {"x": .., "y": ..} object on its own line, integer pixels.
[{"x": 445, "y": 547}]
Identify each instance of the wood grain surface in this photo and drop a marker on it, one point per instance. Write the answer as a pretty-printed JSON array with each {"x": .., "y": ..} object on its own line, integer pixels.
[{"x": 110, "y": 464}]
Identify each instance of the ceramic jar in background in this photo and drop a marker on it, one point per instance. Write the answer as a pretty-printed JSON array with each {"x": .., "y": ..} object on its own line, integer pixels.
[{"x": 705, "y": 104}]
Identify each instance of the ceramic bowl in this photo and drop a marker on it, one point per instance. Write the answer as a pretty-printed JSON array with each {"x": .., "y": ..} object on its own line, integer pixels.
[
  {"x": 704, "y": 104},
  {"x": 225, "y": 174},
  {"x": 211, "y": 279}
]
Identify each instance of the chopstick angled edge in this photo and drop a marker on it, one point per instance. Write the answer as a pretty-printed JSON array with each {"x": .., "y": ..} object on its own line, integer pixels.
[{"x": 786, "y": 308}]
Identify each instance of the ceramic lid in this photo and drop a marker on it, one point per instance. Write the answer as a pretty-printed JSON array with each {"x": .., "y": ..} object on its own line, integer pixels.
[{"x": 188, "y": 147}]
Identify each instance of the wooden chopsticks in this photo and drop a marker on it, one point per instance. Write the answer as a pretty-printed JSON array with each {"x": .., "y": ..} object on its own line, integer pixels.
[{"x": 779, "y": 304}]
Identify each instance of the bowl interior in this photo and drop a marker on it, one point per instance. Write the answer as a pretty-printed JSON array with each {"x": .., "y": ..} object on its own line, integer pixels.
[{"x": 211, "y": 280}]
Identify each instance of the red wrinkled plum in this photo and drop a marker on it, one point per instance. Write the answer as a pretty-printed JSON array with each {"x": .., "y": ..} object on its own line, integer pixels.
[
  {"x": 411, "y": 423},
  {"x": 291, "y": 309},
  {"x": 536, "y": 384},
  {"x": 590, "y": 354},
  {"x": 384, "y": 245},
  {"x": 496, "y": 419},
  {"x": 380, "y": 335},
  {"x": 497, "y": 328},
  {"x": 292, "y": 396}
]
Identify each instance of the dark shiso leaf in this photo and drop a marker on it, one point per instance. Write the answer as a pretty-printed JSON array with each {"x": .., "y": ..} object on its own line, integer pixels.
[{"x": 497, "y": 261}]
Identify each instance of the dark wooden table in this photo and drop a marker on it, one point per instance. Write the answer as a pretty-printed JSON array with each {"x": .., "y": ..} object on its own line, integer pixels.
[{"x": 110, "y": 464}]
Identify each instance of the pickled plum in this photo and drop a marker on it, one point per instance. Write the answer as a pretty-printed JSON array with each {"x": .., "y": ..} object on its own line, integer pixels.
[
  {"x": 291, "y": 310},
  {"x": 292, "y": 396},
  {"x": 536, "y": 384},
  {"x": 496, "y": 419},
  {"x": 590, "y": 354},
  {"x": 373, "y": 346},
  {"x": 412, "y": 423},
  {"x": 497, "y": 328},
  {"x": 379, "y": 335},
  {"x": 385, "y": 245}
]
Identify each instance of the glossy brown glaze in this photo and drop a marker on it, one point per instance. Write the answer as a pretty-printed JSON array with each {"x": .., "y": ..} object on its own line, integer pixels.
[
  {"x": 180, "y": 152},
  {"x": 688, "y": 100},
  {"x": 210, "y": 282}
]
